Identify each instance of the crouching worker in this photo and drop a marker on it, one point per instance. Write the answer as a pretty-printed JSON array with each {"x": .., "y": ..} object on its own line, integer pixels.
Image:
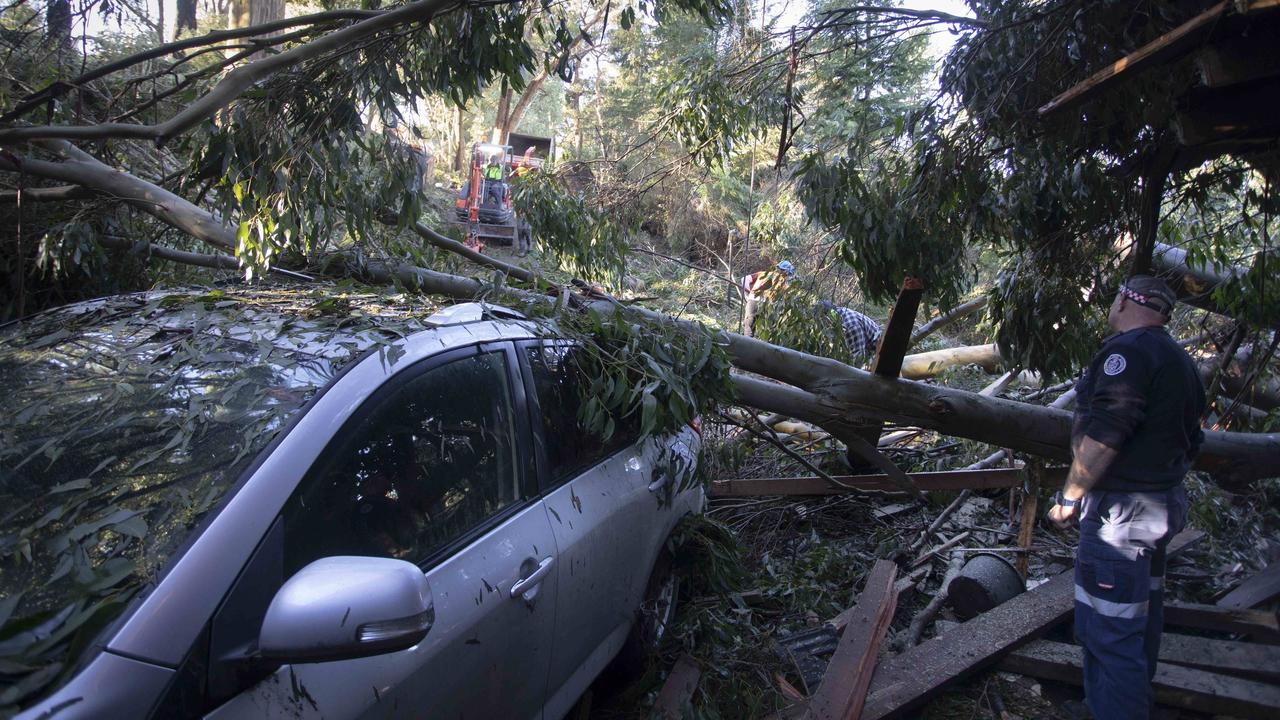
[{"x": 1135, "y": 434}]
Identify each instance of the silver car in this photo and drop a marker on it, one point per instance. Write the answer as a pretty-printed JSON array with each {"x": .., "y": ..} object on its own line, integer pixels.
[{"x": 239, "y": 504}]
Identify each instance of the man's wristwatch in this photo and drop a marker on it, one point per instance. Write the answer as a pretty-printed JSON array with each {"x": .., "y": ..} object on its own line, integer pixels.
[{"x": 1059, "y": 500}]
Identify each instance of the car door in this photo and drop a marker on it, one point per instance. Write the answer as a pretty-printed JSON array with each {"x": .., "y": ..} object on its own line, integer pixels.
[
  {"x": 433, "y": 469},
  {"x": 604, "y": 517}
]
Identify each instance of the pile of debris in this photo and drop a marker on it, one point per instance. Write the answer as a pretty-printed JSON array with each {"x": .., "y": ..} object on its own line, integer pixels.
[{"x": 1013, "y": 589}]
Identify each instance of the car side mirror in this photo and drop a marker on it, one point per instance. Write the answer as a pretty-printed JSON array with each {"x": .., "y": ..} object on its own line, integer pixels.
[{"x": 340, "y": 608}]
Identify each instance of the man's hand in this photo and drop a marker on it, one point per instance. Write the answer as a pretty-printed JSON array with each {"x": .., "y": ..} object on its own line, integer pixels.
[{"x": 1061, "y": 515}]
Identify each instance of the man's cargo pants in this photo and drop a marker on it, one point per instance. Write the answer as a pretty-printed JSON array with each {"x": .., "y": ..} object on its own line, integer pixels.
[{"x": 1120, "y": 595}]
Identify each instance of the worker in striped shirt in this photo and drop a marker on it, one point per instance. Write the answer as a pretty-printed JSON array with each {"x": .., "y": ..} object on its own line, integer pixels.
[{"x": 861, "y": 333}]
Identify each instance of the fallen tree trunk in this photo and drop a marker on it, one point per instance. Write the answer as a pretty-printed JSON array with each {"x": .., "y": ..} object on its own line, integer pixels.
[
  {"x": 928, "y": 364},
  {"x": 1195, "y": 286},
  {"x": 826, "y": 392},
  {"x": 1263, "y": 394},
  {"x": 959, "y": 312}
]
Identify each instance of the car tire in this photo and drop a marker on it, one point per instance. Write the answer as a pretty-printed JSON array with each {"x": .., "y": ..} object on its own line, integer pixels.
[{"x": 653, "y": 620}]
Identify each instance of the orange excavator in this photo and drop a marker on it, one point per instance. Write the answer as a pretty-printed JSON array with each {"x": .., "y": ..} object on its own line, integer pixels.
[{"x": 484, "y": 206}]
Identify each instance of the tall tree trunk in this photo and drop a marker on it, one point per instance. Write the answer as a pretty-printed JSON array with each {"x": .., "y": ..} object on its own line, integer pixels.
[
  {"x": 186, "y": 19},
  {"x": 246, "y": 13},
  {"x": 517, "y": 112},
  {"x": 577, "y": 125},
  {"x": 460, "y": 151},
  {"x": 1153, "y": 183},
  {"x": 261, "y": 11},
  {"x": 500, "y": 124},
  {"x": 58, "y": 22},
  {"x": 238, "y": 14}
]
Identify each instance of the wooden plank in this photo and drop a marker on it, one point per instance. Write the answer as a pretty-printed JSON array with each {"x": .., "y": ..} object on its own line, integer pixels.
[
  {"x": 678, "y": 689},
  {"x": 1247, "y": 660},
  {"x": 844, "y": 687},
  {"x": 1258, "y": 589},
  {"x": 896, "y": 338},
  {"x": 906, "y": 681},
  {"x": 1174, "y": 685},
  {"x": 1167, "y": 45},
  {"x": 889, "y": 511},
  {"x": 1257, "y": 623},
  {"x": 927, "y": 481}
]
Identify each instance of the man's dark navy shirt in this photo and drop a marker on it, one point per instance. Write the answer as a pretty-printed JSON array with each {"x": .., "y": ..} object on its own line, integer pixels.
[{"x": 1142, "y": 395}]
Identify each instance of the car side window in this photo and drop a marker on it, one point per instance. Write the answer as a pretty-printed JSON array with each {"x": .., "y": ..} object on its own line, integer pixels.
[
  {"x": 431, "y": 459},
  {"x": 569, "y": 447}
]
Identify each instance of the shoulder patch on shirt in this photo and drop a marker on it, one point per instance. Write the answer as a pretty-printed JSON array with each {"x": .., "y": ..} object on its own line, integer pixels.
[{"x": 1114, "y": 364}]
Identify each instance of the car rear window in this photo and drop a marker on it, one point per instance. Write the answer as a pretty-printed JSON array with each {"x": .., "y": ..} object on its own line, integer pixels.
[{"x": 125, "y": 421}]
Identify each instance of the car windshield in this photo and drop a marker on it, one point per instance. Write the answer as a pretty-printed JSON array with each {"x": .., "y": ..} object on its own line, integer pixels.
[{"x": 125, "y": 421}]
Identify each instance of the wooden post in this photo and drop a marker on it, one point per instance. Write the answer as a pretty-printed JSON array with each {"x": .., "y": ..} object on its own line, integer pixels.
[
  {"x": 1030, "y": 501},
  {"x": 894, "y": 342},
  {"x": 896, "y": 337}
]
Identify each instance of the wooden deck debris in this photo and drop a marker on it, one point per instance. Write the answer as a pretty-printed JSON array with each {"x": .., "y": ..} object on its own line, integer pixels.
[
  {"x": 844, "y": 687},
  {"x": 1175, "y": 686},
  {"x": 1247, "y": 660},
  {"x": 788, "y": 690},
  {"x": 1259, "y": 624},
  {"x": 1167, "y": 45},
  {"x": 1258, "y": 589},
  {"x": 927, "y": 481},
  {"x": 678, "y": 689},
  {"x": 908, "y": 680}
]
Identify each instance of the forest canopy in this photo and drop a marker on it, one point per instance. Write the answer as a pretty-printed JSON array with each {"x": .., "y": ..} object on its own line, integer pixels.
[{"x": 733, "y": 131}]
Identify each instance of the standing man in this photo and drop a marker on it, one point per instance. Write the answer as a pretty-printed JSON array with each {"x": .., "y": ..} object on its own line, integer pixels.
[
  {"x": 761, "y": 286},
  {"x": 1135, "y": 433},
  {"x": 766, "y": 284}
]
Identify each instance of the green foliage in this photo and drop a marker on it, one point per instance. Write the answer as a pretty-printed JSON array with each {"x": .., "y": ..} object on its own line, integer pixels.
[
  {"x": 657, "y": 374},
  {"x": 1053, "y": 198},
  {"x": 582, "y": 236},
  {"x": 794, "y": 319}
]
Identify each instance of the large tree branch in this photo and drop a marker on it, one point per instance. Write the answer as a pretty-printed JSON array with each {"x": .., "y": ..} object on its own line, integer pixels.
[
  {"x": 835, "y": 17},
  {"x": 826, "y": 392},
  {"x": 61, "y": 87},
  {"x": 62, "y": 193},
  {"x": 83, "y": 169},
  {"x": 958, "y": 312},
  {"x": 235, "y": 82},
  {"x": 215, "y": 261}
]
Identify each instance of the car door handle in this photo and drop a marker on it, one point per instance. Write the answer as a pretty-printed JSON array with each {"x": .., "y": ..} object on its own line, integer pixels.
[
  {"x": 523, "y": 586},
  {"x": 660, "y": 480}
]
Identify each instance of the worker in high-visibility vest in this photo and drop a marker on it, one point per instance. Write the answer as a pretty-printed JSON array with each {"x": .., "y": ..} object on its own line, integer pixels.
[
  {"x": 494, "y": 188},
  {"x": 764, "y": 285}
]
